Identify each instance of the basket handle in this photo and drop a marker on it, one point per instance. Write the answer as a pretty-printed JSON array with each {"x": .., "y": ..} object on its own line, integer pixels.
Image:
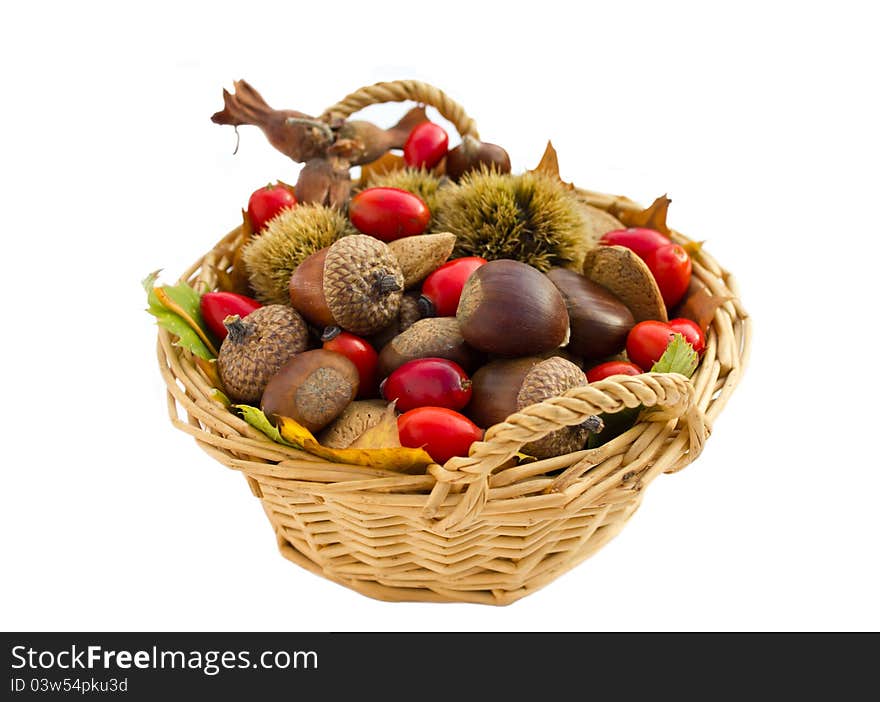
[
  {"x": 671, "y": 392},
  {"x": 400, "y": 91}
]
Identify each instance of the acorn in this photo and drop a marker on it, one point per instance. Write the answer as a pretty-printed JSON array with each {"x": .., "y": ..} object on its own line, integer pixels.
[
  {"x": 472, "y": 155},
  {"x": 528, "y": 217},
  {"x": 272, "y": 257},
  {"x": 312, "y": 388},
  {"x": 501, "y": 388},
  {"x": 508, "y": 308},
  {"x": 355, "y": 283},
  {"x": 432, "y": 337},
  {"x": 598, "y": 320},
  {"x": 414, "y": 180},
  {"x": 256, "y": 347}
]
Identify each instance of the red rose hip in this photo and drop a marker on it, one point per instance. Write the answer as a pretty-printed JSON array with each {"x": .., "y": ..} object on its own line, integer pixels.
[
  {"x": 435, "y": 382},
  {"x": 671, "y": 267},
  {"x": 216, "y": 306},
  {"x": 388, "y": 213},
  {"x": 609, "y": 368},
  {"x": 426, "y": 146},
  {"x": 639, "y": 240},
  {"x": 442, "y": 432},
  {"x": 358, "y": 351},
  {"x": 441, "y": 290},
  {"x": 691, "y": 332},
  {"x": 265, "y": 203}
]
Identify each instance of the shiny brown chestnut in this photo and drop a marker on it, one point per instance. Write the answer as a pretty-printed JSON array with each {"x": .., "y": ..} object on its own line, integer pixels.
[
  {"x": 472, "y": 154},
  {"x": 509, "y": 308},
  {"x": 599, "y": 321},
  {"x": 312, "y": 388}
]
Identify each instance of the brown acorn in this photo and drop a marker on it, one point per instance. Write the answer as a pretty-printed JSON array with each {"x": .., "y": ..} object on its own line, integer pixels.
[
  {"x": 501, "y": 388},
  {"x": 355, "y": 283},
  {"x": 433, "y": 337},
  {"x": 312, "y": 388},
  {"x": 509, "y": 308},
  {"x": 256, "y": 347},
  {"x": 472, "y": 154},
  {"x": 599, "y": 321}
]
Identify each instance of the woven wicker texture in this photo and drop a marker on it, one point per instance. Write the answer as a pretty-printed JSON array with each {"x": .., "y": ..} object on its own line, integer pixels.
[{"x": 482, "y": 528}]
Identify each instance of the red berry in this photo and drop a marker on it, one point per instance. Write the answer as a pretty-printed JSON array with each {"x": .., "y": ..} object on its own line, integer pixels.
[
  {"x": 266, "y": 202},
  {"x": 647, "y": 341},
  {"x": 388, "y": 213},
  {"x": 424, "y": 382},
  {"x": 426, "y": 145},
  {"x": 441, "y": 290},
  {"x": 442, "y": 432},
  {"x": 691, "y": 332},
  {"x": 609, "y": 368},
  {"x": 216, "y": 306},
  {"x": 359, "y": 352},
  {"x": 640, "y": 240},
  {"x": 671, "y": 267}
]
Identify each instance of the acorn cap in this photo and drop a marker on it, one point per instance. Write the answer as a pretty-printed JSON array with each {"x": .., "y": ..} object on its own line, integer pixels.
[
  {"x": 551, "y": 378},
  {"x": 363, "y": 284},
  {"x": 257, "y": 347},
  {"x": 419, "y": 255},
  {"x": 621, "y": 271}
]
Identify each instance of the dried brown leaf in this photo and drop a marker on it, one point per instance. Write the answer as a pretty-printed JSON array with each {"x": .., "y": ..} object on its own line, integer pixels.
[
  {"x": 549, "y": 165},
  {"x": 653, "y": 217},
  {"x": 699, "y": 305}
]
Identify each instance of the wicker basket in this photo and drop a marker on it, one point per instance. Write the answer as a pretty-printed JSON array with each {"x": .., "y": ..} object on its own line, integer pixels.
[{"x": 478, "y": 529}]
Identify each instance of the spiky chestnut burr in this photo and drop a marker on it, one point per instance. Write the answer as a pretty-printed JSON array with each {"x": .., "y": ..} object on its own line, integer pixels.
[
  {"x": 529, "y": 217},
  {"x": 288, "y": 239}
]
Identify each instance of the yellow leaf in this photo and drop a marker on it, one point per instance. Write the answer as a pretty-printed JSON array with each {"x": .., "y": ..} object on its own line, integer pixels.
[
  {"x": 405, "y": 460},
  {"x": 383, "y": 434}
]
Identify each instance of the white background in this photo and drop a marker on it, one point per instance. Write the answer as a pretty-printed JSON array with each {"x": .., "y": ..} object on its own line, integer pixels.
[{"x": 760, "y": 122}]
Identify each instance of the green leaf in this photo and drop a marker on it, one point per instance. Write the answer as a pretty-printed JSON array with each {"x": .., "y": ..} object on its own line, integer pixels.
[
  {"x": 186, "y": 335},
  {"x": 255, "y": 417},
  {"x": 176, "y": 308},
  {"x": 679, "y": 357}
]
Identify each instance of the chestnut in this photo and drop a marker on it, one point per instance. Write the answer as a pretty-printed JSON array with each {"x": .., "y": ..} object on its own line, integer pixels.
[
  {"x": 509, "y": 308},
  {"x": 599, "y": 321},
  {"x": 312, "y": 388},
  {"x": 472, "y": 154}
]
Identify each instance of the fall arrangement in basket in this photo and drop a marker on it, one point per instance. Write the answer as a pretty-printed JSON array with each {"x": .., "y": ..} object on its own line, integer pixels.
[{"x": 445, "y": 381}]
